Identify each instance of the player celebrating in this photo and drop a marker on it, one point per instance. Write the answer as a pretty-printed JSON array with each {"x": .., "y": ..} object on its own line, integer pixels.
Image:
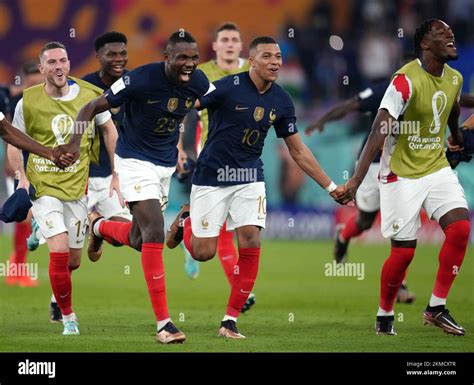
[
  {"x": 47, "y": 112},
  {"x": 423, "y": 96},
  {"x": 368, "y": 196},
  {"x": 111, "y": 52},
  {"x": 156, "y": 96},
  {"x": 227, "y": 45},
  {"x": 228, "y": 182}
]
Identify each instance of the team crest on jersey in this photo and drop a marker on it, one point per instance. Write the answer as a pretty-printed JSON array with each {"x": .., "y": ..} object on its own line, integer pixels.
[
  {"x": 272, "y": 116},
  {"x": 172, "y": 104},
  {"x": 397, "y": 224},
  {"x": 115, "y": 111},
  {"x": 258, "y": 113},
  {"x": 188, "y": 103}
]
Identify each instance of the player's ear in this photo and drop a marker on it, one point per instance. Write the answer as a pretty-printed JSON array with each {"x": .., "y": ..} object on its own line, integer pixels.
[
  {"x": 214, "y": 46},
  {"x": 251, "y": 61},
  {"x": 424, "y": 45}
]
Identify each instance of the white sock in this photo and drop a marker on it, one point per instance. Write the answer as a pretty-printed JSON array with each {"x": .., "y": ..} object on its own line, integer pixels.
[
  {"x": 162, "y": 323},
  {"x": 435, "y": 301},
  {"x": 69, "y": 317},
  {"x": 228, "y": 317},
  {"x": 95, "y": 229},
  {"x": 53, "y": 298},
  {"x": 383, "y": 313}
]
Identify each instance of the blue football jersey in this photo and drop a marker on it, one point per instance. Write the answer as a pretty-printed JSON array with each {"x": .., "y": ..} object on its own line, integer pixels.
[
  {"x": 239, "y": 120},
  {"x": 154, "y": 110},
  {"x": 103, "y": 169}
]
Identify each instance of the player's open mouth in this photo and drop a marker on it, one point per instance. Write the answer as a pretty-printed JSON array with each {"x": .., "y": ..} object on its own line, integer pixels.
[
  {"x": 185, "y": 75},
  {"x": 451, "y": 45},
  {"x": 273, "y": 71},
  {"x": 117, "y": 68}
]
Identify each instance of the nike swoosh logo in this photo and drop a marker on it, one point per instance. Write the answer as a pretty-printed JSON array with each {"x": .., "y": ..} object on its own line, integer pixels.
[
  {"x": 65, "y": 295},
  {"x": 245, "y": 292},
  {"x": 153, "y": 101},
  {"x": 238, "y": 108},
  {"x": 160, "y": 276}
]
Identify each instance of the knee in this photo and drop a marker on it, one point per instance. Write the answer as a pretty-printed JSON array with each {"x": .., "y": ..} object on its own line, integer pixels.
[
  {"x": 73, "y": 266},
  {"x": 365, "y": 222},
  {"x": 203, "y": 253},
  {"x": 250, "y": 239}
]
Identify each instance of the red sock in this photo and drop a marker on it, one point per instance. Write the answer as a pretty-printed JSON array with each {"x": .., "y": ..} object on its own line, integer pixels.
[
  {"x": 351, "y": 229},
  {"x": 451, "y": 256},
  {"x": 154, "y": 271},
  {"x": 60, "y": 279},
  {"x": 226, "y": 252},
  {"x": 21, "y": 232},
  {"x": 187, "y": 233},
  {"x": 243, "y": 280},
  {"x": 117, "y": 231},
  {"x": 393, "y": 273}
]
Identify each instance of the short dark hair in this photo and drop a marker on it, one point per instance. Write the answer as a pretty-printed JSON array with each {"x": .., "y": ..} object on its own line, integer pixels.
[
  {"x": 420, "y": 33},
  {"x": 261, "y": 40},
  {"x": 51, "y": 45},
  {"x": 109, "y": 37},
  {"x": 229, "y": 26},
  {"x": 180, "y": 36},
  {"x": 30, "y": 67}
]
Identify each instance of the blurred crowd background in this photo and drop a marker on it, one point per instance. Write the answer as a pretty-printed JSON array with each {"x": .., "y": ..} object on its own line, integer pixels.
[{"x": 332, "y": 50}]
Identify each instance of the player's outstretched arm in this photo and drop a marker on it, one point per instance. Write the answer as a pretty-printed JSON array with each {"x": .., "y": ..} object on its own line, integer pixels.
[
  {"x": 335, "y": 113},
  {"x": 308, "y": 163},
  {"x": 85, "y": 116},
  {"x": 21, "y": 141},
  {"x": 380, "y": 128}
]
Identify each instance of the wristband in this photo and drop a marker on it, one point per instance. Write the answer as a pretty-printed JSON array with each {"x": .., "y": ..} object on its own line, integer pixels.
[
  {"x": 332, "y": 186},
  {"x": 2, "y": 116}
]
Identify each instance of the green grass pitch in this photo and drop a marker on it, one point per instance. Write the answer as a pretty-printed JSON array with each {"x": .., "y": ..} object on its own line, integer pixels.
[{"x": 298, "y": 307}]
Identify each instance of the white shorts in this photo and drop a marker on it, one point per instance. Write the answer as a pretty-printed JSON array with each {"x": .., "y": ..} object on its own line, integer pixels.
[
  {"x": 55, "y": 217},
  {"x": 368, "y": 194},
  {"x": 141, "y": 180},
  {"x": 99, "y": 199},
  {"x": 240, "y": 205},
  {"x": 401, "y": 202},
  {"x": 10, "y": 185}
]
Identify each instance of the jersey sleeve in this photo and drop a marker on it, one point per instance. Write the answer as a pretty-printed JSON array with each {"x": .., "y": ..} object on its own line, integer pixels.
[
  {"x": 124, "y": 88},
  {"x": 203, "y": 83},
  {"x": 18, "y": 118},
  {"x": 103, "y": 117},
  {"x": 370, "y": 98},
  {"x": 286, "y": 124},
  {"x": 214, "y": 95},
  {"x": 397, "y": 96}
]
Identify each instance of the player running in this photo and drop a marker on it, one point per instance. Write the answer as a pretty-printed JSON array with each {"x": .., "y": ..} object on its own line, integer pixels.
[
  {"x": 228, "y": 183},
  {"x": 111, "y": 52},
  {"x": 368, "y": 196},
  {"x": 415, "y": 173},
  {"x": 156, "y": 98},
  {"x": 47, "y": 112},
  {"x": 228, "y": 46}
]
